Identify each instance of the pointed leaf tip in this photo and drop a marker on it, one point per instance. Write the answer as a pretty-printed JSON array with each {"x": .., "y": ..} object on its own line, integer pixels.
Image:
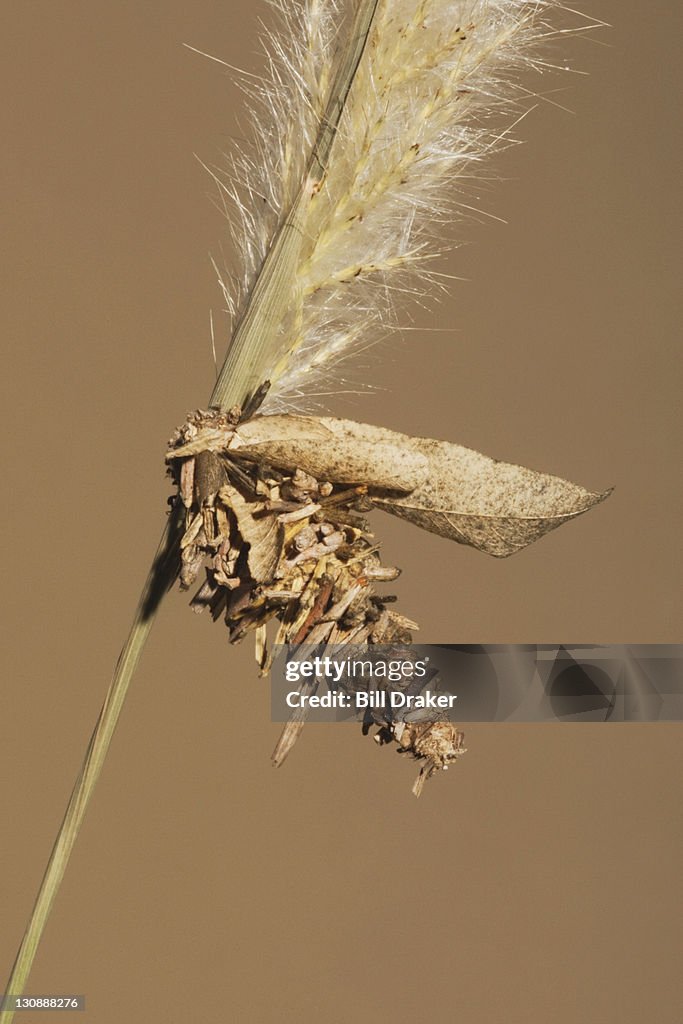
[{"x": 496, "y": 507}]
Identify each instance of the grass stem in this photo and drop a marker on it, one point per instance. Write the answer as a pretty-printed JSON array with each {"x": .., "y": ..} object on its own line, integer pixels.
[{"x": 159, "y": 580}]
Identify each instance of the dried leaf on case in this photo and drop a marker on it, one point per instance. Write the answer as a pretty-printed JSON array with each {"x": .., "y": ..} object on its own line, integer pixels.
[{"x": 493, "y": 506}]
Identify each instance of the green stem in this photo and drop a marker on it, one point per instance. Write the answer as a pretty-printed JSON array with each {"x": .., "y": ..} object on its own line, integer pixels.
[
  {"x": 254, "y": 346},
  {"x": 159, "y": 580}
]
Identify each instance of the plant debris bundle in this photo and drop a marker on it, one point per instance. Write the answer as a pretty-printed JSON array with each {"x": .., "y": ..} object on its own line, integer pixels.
[
  {"x": 282, "y": 545},
  {"x": 274, "y": 520}
]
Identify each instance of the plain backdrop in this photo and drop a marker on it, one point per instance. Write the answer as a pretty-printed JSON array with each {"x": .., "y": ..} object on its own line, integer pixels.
[{"x": 540, "y": 880}]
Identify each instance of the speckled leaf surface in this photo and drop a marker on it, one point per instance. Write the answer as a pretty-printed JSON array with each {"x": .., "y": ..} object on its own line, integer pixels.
[
  {"x": 342, "y": 451},
  {"x": 493, "y": 506}
]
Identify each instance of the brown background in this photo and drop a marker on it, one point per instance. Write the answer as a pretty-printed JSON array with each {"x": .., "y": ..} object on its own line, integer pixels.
[{"x": 537, "y": 882}]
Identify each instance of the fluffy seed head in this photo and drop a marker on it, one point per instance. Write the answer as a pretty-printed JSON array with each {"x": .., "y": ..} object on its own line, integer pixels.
[{"x": 437, "y": 89}]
